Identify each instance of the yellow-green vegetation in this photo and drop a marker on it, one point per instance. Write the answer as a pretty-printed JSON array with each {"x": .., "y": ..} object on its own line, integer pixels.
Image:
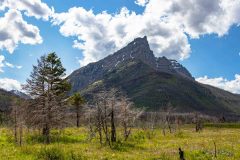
[{"x": 74, "y": 144}]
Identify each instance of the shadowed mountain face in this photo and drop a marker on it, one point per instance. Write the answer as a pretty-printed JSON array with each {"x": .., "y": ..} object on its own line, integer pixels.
[
  {"x": 152, "y": 82},
  {"x": 137, "y": 50},
  {"x": 6, "y": 99}
]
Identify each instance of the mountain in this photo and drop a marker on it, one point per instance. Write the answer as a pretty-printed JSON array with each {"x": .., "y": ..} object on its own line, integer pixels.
[
  {"x": 138, "y": 50},
  {"x": 6, "y": 99},
  {"x": 152, "y": 82},
  {"x": 20, "y": 94}
]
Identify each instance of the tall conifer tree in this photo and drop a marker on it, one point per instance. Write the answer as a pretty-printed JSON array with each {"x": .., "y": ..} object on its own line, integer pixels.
[{"x": 48, "y": 88}]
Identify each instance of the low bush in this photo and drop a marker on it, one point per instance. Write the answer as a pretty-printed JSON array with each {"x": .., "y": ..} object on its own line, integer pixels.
[{"x": 52, "y": 153}]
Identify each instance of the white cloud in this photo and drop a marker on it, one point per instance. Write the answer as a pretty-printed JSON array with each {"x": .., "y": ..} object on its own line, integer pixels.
[
  {"x": 14, "y": 30},
  {"x": 101, "y": 34},
  {"x": 2, "y": 58},
  {"x": 9, "y": 65},
  {"x": 198, "y": 17},
  {"x": 165, "y": 23},
  {"x": 141, "y": 2},
  {"x": 18, "y": 67},
  {"x": 4, "y": 63},
  {"x": 229, "y": 85},
  {"x": 35, "y": 8},
  {"x": 12, "y": 65},
  {"x": 10, "y": 84}
]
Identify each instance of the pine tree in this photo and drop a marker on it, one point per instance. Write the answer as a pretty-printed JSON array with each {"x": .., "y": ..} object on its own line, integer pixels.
[
  {"x": 77, "y": 101},
  {"x": 48, "y": 88}
]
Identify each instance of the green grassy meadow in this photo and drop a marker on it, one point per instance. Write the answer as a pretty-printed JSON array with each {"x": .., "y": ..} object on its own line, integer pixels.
[{"x": 74, "y": 144}]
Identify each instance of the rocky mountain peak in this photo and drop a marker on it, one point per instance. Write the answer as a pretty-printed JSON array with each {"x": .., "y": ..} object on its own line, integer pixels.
[{"x": 138, "y": 49}]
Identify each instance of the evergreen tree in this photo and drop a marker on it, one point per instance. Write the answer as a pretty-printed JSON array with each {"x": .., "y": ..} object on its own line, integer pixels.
[
  {"x": 77, "y": 101},
  {"x": 48, "y": 88}
]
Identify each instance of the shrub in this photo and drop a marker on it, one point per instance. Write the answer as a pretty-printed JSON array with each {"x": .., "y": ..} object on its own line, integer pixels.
[
  {"x": 138, "y": 136},
  {"x": 53, "y": 153},
  {"x": 180, "y": 134},
  {"x": 199, "y": 155},
  {"x": 75, "y": 156}
]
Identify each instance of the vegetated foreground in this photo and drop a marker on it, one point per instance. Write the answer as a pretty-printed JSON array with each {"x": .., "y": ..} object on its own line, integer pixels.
[{"x": 74, "y": 143}]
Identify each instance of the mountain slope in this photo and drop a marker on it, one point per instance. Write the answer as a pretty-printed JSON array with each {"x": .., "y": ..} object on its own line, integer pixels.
[
  {"x": 138, "y": 49},
  {"x": 6, "y": 99},
  {"x": 152, "y": 82},
  {"x": 154, "y": 90}
]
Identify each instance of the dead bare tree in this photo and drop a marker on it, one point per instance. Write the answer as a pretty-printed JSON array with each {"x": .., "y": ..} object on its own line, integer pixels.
[
  {"x": 167, "y": 120},
  {"x": 88, "y": 113},
  {"x": 98, "y": 115},
  {"x": 105, "y": 110},
  {"x": 128, "y": 114},
  {"x": 149, "y": 125},
  {"x": 109, "y": 111},
  {"x": 198, "y": 123},
  {"x": 18, "y": 117},
  {"x": 113, "y": 108}
]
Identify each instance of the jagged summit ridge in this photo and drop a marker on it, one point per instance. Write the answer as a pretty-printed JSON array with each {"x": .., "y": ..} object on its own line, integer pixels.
[{"x": 138, "y": 49}]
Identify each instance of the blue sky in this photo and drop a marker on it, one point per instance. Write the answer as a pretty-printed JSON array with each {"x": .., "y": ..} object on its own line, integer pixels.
[{"x": 207, "y": 45}]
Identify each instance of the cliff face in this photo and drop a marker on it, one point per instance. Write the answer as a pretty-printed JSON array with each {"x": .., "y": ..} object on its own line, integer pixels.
[{"x": 138, "y": 49}]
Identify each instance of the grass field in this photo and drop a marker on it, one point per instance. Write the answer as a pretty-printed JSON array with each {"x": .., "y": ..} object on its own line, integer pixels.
[{"x": 73, "y": 144}]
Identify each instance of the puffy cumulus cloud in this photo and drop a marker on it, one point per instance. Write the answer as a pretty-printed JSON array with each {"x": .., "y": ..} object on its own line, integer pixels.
[
  {"x": 229, "y": 85},
  {"x": 10, "y": 84},
  {"x": 35, "y": 8},
  {"x": 198, "y": 17},
  {"x": 101, "y": 34},
  {"x": 165, "y": 23},
  {"x": 141, "y": 2},
  {"x": 2, "y": 58},
  {"x": 14, "y": 30}
]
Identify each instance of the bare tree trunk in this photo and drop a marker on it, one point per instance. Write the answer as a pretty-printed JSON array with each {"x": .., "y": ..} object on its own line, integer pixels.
[
  {"x": 20, "y": 135},
  {"x": 215, "y": 149},
  {"x": 100, "y": 132},
  {"x": 78, "y": 116},
  {"x": 46, "y": 128},
  {"x": 105, "y": 130},
  {"x": 164, "y": 132},
  {"x": 169, "y": 127},
  {"x": 127, "y": 131},
  {"x": 125, "y": 124},
  {"x": 46, "y": 134},
  {"x": 15, "y": 126},
  {"x": 113, "y": 129},
  {"x": 99, "y": 125}
]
